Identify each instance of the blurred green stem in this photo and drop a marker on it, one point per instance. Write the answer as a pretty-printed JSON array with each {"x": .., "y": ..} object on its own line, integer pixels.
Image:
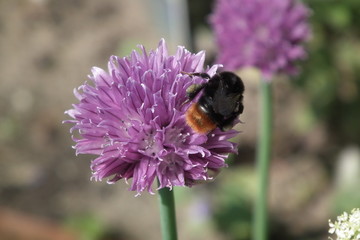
[
  {"x": 262, "y": 164},
  {"x": 167, "y": 214}
]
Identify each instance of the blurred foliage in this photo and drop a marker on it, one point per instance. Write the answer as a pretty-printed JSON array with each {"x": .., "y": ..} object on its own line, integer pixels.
[
  {"x": 233, "y": 203},
  {"x": 331, "y": 75},
  {"x": 8, "y": 129},
  {"x": 347, "y": 181},
  {"x": 87, "y": 226},
  {"x": 90, "y": 227},
  {"x": 345, "y": 200},
  {"x": 198, "y": 13}
]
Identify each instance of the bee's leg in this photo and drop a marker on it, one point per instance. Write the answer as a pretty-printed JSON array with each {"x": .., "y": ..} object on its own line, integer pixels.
[
  {"x": 226, "y": 127},
  {"x": 193, "y": 90},
  {"x": 228, "y": 123},
  {"x": 202, "y": 75}
]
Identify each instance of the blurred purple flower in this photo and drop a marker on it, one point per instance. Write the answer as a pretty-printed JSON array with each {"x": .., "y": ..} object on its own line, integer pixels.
[
  {"x": 266, "y": 34},
  {"x": 132, "y": 118}
]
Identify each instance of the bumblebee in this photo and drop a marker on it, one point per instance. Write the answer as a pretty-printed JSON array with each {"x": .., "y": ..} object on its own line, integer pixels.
[{"x": 220, "y": 102}]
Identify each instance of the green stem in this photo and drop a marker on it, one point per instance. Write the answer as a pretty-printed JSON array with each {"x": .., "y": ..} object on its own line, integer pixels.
[
  {"x": 167, "y": 214},
  {"x": 263, "y": 159}
]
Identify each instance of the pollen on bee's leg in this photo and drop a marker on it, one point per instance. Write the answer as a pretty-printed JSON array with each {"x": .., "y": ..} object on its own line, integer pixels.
[
  {"x": 198, "y": 120},
  {"x": 192, "y": 88}
]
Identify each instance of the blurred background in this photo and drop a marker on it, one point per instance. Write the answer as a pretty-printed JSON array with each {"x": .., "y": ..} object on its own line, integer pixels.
[{"x": 47, "y": 48}]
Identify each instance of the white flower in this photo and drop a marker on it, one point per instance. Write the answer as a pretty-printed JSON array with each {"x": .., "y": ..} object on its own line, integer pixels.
[
  {"x": 347, "y": 226},
  {"x": 355, "y": 216}
]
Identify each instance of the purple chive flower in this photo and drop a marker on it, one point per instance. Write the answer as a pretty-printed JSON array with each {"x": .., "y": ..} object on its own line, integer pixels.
[
  {"x": 266, "y": 34},
  {"x": 132, "y": 118}
]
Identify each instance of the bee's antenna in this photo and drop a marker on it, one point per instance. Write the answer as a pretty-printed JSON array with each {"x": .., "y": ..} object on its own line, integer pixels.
[
  {"x": 186, "y": 73},
  {"x": 202, "y": 75},
  {"x": 185, "y": 102}
]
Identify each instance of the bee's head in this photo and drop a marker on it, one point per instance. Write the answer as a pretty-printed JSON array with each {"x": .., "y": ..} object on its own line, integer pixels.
[{"x": 228, "y": 96}]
